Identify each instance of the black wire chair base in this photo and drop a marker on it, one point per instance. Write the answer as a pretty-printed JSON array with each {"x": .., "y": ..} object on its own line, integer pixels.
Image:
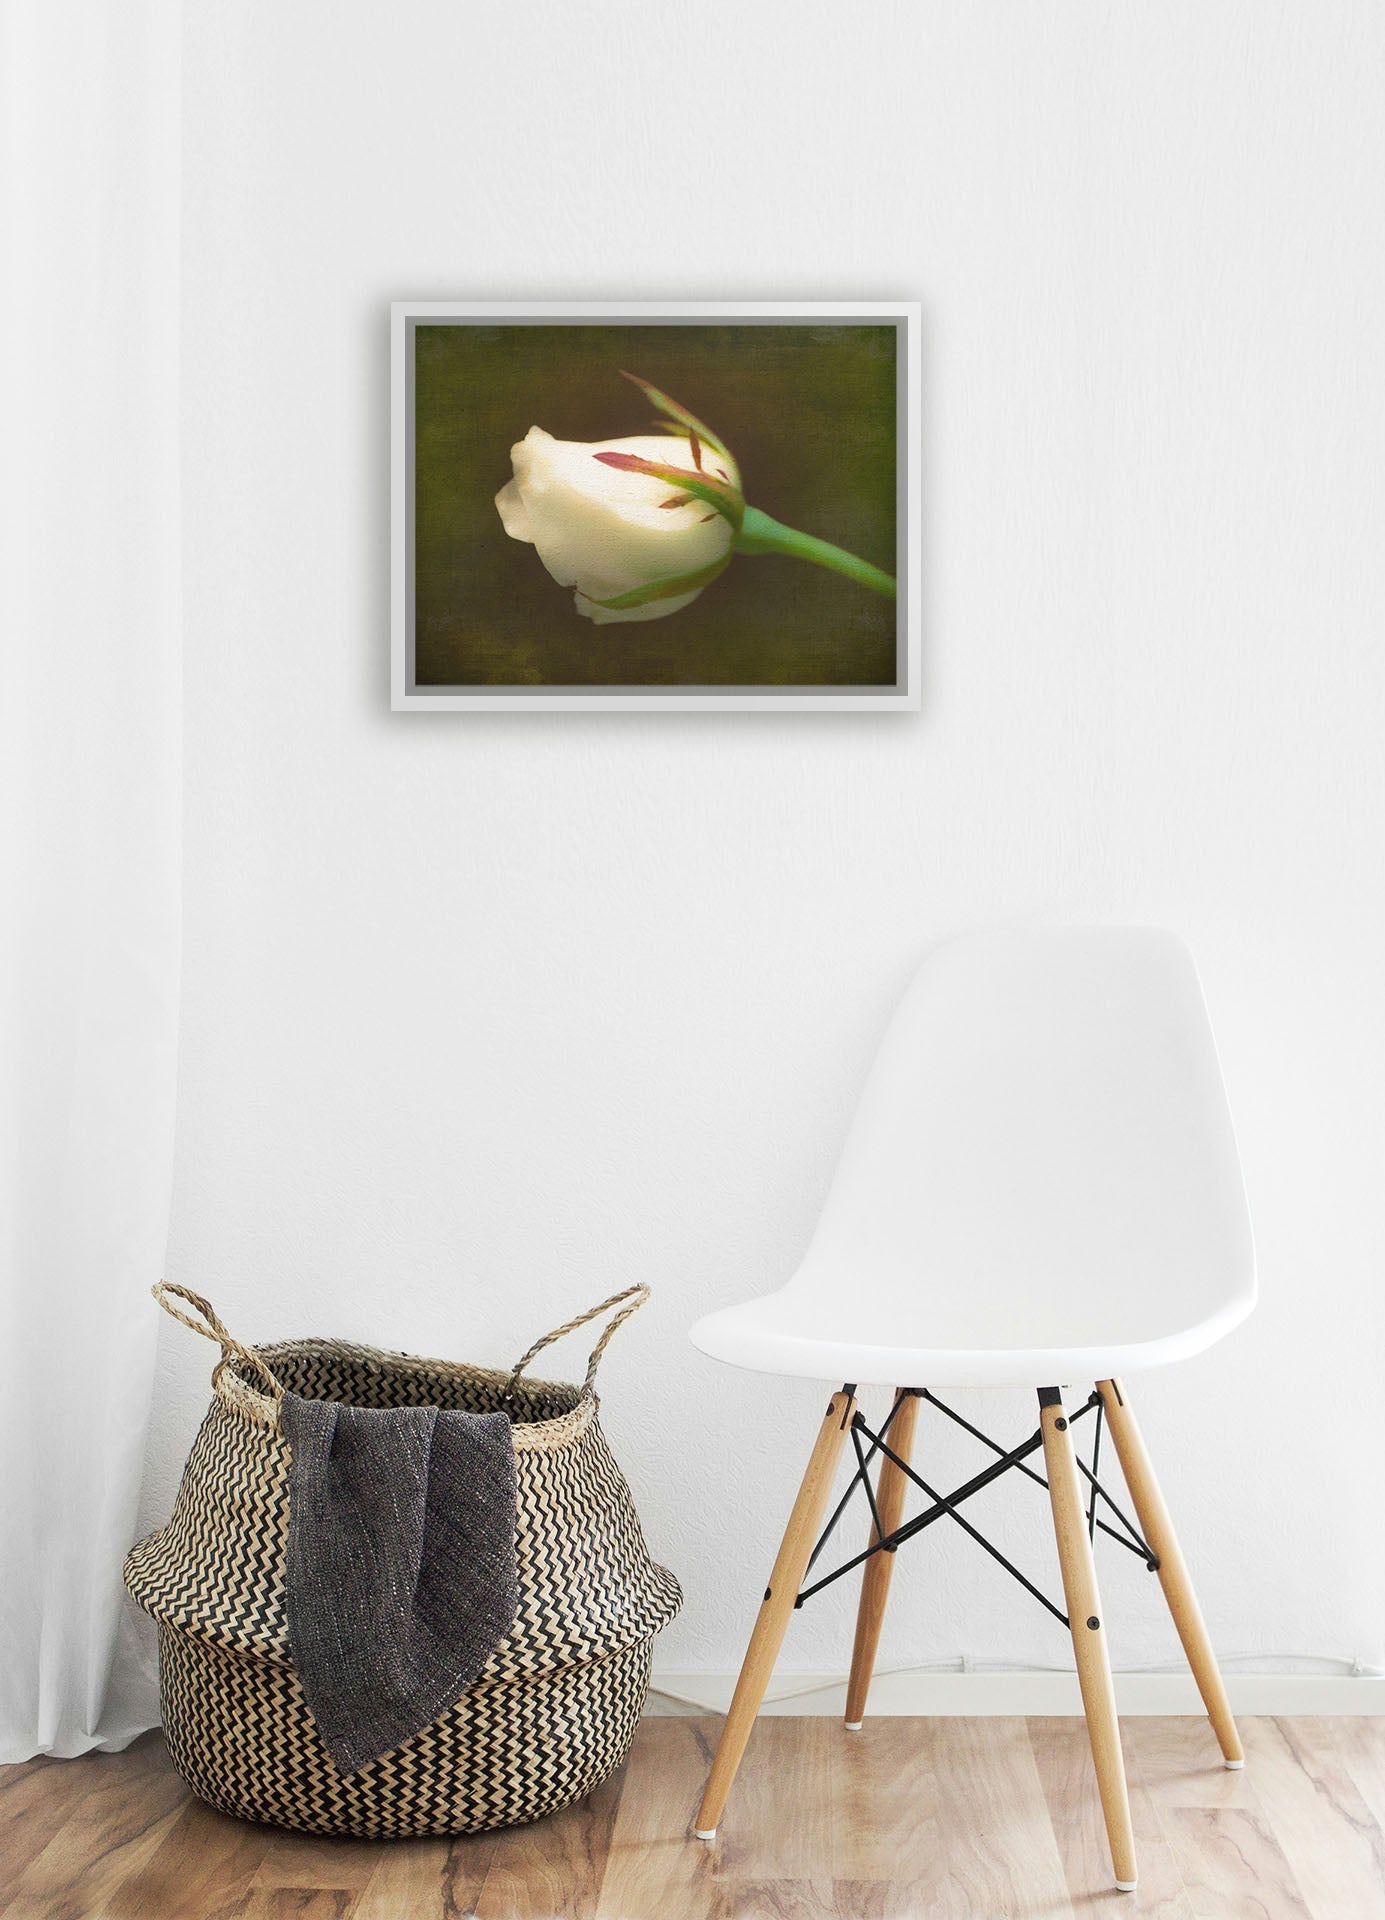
[{"x": 1007, "y": 1459}]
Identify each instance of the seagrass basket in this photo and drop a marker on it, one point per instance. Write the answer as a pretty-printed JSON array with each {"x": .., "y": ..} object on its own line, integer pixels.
[{"x": 555, "y": 1707}]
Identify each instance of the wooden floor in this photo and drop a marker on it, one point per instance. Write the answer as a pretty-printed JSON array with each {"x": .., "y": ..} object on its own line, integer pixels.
[{"x": 958, "y": 1819}]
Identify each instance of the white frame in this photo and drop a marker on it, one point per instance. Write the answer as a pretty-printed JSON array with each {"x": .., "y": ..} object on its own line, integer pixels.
[{"x": 409, "y": 698}]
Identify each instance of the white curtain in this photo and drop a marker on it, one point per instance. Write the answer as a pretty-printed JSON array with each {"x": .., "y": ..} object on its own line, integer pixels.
[{"x": 89, "y": 820}]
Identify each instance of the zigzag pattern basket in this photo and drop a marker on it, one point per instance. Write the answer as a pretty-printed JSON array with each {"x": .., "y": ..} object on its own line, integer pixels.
[{"x": 555, "y": 1707}]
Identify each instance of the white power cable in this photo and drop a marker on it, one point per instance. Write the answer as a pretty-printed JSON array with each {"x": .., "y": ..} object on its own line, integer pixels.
[{"x": 1354, "y": 1667}]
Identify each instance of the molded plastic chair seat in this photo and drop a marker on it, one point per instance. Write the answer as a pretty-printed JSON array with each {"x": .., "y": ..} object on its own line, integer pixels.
[
  {"x": 1041, "y": 1184},
  {"x": 778, "y": 1335}
]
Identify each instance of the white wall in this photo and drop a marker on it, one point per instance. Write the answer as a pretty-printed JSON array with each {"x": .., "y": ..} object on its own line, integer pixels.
[{"x": 486, "y": 1016}]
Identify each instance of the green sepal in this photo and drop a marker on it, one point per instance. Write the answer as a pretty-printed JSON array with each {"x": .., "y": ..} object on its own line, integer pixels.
[
  {"x": 728, "y": 501},
  {"x": 675, "y": 412},
  {"x": 665, "y": 589}
]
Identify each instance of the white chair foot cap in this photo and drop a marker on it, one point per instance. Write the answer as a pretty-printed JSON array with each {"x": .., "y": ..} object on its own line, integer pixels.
[
  {"x": 705, "y": 1833},
  {"x": 854, "y": 1726},
  {"x": 1233, "y": 1766},
  {"x": 1126, "y": 1886}
]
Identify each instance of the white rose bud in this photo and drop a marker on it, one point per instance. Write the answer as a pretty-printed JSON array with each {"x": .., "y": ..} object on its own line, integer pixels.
[
  {"x": 607, "y": 531},
  {"x": 637, "y": 526},
  {"x": 640, "y": 526}
]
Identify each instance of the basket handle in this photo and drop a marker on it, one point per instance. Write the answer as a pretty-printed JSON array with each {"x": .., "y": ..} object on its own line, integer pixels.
[
  {"x": 210, "y": 1328},
  {"x": 634, "y": 1296}
]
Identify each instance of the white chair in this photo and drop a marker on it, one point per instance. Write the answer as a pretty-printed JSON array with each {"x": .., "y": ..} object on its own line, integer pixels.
[{"x": 1041, "y": 1187}]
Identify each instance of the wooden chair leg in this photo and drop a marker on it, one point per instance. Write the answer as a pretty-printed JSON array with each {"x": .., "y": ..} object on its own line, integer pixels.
[
  {"x": 875, "y": 1579},
  {"x": 775, "y": 1609},
  {"x": 1088, "y": 1633},
  {"x": 1154, "y": 1521}
]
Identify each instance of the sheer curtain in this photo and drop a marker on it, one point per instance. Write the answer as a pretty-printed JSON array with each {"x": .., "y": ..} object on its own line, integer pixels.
[{"x": 89, "y": 813}]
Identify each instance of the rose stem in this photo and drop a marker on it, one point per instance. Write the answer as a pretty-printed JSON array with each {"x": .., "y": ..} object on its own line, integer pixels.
[{"x": 760, "y": 534}]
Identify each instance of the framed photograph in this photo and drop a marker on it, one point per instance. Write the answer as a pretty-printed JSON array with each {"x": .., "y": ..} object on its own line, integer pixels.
[{"x": 648, "y": 505}]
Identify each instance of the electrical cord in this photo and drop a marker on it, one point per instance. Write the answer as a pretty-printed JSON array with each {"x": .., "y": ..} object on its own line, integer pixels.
[{"x": 1353, "y": 1668}]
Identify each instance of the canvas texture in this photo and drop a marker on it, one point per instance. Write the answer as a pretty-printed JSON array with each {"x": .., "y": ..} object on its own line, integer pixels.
[{"x": 808, "y": 411}]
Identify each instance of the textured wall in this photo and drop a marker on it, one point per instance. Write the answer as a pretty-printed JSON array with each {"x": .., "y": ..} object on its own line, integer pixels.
[{"x": 488, "y": 1015}]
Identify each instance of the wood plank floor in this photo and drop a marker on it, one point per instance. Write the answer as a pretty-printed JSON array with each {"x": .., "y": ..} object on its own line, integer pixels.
[{"x": 907, "y": 1820}]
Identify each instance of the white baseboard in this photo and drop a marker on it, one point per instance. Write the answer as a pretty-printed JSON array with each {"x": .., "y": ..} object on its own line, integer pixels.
[{"x": 1025, "y": 1692}]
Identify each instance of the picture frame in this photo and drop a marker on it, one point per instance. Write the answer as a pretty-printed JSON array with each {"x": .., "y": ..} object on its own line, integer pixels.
[{"x": 820, "y": 401}]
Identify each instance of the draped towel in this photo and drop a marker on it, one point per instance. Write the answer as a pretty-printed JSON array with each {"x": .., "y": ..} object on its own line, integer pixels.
[{"x": 400, "y": 1570}]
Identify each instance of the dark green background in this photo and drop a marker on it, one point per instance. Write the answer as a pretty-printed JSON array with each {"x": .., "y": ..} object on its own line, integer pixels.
[{"x": 808, "y": 411}]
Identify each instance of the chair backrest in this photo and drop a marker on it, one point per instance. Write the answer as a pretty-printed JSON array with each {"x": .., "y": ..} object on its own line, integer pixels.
[{"x": 1043, "y": 1145}]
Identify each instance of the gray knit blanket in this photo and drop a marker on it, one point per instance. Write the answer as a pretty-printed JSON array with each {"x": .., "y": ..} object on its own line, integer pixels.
[{"x": 401, "y": 1564}]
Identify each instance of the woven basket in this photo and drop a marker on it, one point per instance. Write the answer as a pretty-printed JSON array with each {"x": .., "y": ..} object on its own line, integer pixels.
[{"x": 554, "y": 1708}]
